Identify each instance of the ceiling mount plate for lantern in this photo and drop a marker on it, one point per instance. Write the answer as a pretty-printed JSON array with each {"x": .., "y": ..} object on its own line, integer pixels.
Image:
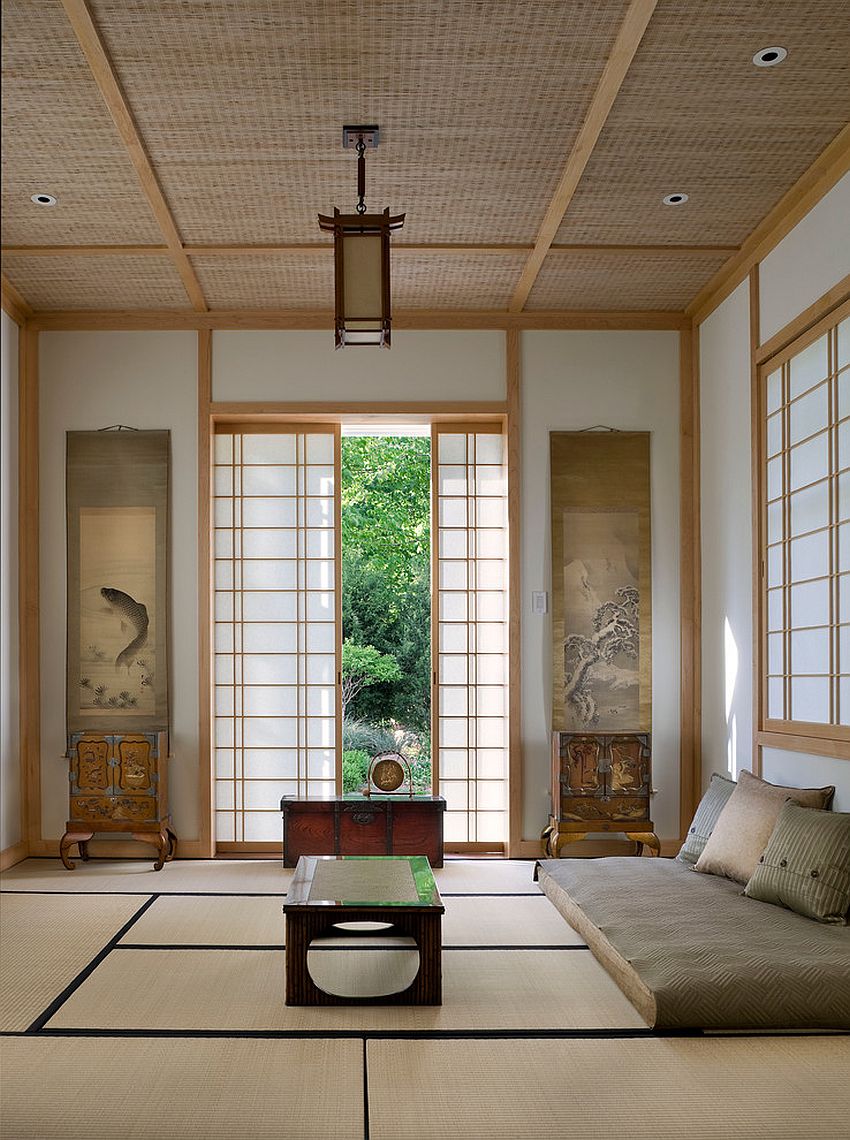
[{"x": 371, "y": 137}]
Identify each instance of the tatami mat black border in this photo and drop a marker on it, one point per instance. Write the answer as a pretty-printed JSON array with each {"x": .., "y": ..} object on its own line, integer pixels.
[
  {"x": 261, "y": 894},
  {"x": 433, "y": 1035},
  {"x": 587, "y": 1034},
  {"x": 365, "y": 1089},
  {"x": 328, "y": 949},
  {"x": 57, "y": 1003}
]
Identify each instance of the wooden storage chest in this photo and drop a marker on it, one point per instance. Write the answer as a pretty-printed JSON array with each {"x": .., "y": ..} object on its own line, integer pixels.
[{"x": 361, "y": 825}]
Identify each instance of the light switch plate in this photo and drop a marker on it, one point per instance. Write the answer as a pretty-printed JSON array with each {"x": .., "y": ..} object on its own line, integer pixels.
[{"x": 539, "y": 602}]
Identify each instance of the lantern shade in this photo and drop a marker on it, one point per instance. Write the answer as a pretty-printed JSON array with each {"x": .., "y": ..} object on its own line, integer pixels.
[{"x": 362, "y": 276}]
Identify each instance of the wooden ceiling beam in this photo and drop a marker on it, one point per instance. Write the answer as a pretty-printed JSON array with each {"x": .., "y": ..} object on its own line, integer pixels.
[
  {"x": 323, "y": 247},
  {"x": 623, "y": 52},
  {"x": 13, "y": 303},
  {"x": 107, "y": 82},
  {"x": 300, "y": 319}
]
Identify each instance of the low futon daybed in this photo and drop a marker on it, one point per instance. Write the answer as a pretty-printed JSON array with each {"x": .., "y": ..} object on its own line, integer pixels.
[{"x": 690, "y": 951}]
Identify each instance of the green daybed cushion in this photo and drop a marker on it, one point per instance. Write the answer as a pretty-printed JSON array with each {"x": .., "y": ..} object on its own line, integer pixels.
[
  {"x": 806, "y": 864},
  {"x": 690, "y": 951}
]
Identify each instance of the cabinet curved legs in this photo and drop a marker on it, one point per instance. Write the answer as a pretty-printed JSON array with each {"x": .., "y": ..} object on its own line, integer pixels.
[
  {"x": 645, "y": 839},
  {"x": 67, "y": 842}
]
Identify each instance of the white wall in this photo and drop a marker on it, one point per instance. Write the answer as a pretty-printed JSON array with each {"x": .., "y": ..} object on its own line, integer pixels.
[
  {"x": 574, "y": 380},
  {"x": 91, "y": 380},
  {"x": 727, "y": 554},
  {"x": 10, "y": 770},
  {"x": 282, "y": 366},
  {"x": 812, "y": 258}
]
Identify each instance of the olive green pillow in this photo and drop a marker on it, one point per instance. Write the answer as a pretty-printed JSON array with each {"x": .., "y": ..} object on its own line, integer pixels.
[
  {"x": 806, "y": 864},
  {"x": 746, "y": 823},
  {"x": 705, "y": 817}
]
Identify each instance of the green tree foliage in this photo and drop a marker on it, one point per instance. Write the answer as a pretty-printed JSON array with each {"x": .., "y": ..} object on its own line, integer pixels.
[
  {"x": 386, "y": 541},
  {"x": 364, "y": 665}
]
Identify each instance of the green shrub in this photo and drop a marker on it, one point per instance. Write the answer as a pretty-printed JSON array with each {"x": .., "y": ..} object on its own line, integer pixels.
[
  {"x": 355, "y": 769},
  {"x": 359, "y": 735}
]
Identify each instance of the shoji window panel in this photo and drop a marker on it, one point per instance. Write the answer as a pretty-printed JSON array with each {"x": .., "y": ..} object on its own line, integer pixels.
[
  {"x": 470, "y": 629},
  {"x": 276, "y": 622},
  {"x": 805, "y": 527}
]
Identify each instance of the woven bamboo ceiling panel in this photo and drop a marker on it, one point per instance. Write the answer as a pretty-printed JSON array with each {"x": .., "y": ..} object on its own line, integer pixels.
[
  {"x": 455, "y": 281},
  {"x": 603, "y": 281},
  {"x": 305, "y": 280},
  {"x": 239, "y": 104},
  {"x": 302, "y": 281},
  {"x": 58, "y": 138},
  {"x": 695, "y": 115},
  {"x": 96, "y": 282}
]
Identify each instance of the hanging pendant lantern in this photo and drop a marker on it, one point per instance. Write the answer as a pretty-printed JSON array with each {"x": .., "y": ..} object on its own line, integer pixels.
[{"x": 361, "y": 258}]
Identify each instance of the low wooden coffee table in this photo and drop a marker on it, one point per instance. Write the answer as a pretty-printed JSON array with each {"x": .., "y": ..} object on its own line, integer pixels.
[{"x": 328, "y": 889}]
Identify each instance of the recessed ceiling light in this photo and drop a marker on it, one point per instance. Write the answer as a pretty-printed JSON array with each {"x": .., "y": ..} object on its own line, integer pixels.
[
  {"x": 43, "y": 199},
  {"x": 769, "y": 57},
  {"x": 677, "y": 199}
]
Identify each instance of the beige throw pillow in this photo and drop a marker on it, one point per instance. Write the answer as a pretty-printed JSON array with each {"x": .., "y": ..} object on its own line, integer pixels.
[{"x": 746, "y": 823}]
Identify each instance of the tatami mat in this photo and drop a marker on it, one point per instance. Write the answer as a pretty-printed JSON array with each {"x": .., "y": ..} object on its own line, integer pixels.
[
  {"x": 237, "y": 921},
  {"x": 508, "y": 921},
  {"x": 233, "y": 876},
  {"x": 242, "y": 876},
  {"x": 45, "y": 942},
  {"x": 212, "y": 921},
  {"x": 236, "y": 990},
  {"x": 486, "y": 876},
  {"x": 108, "y": 1088},
  {"x": 649, "y": 1089}
]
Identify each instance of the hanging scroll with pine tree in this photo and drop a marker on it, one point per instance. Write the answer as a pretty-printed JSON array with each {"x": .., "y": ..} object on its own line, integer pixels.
[{"x": 601, "y": 581}]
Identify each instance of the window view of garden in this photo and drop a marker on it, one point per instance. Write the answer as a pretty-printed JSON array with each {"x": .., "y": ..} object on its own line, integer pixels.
[{"x": 386, "y": 604}]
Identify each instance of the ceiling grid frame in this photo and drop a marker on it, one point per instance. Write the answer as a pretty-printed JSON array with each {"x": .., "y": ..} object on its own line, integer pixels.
[
  {"x": 102, "y": 70},
  {"x": 548, "y": 61}
]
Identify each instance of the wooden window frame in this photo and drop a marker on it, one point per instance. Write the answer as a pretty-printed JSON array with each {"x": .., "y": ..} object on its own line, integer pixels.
[
  {"x": 244, "y": 426},
  {"x": 466, "y": 426},
  {"x": 217, "y": 417},
  {"x": 832, "y": 739}
]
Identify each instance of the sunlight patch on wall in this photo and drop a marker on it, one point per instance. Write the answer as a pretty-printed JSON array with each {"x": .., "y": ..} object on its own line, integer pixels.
[{"x": 730, "y": 658}]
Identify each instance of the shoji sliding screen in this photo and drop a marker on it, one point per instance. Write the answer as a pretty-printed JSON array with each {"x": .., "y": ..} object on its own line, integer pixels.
[
  {"x": 804, "y": 397},
  {"x": 470, "y": 631},
  {"x": 276, "y": 623}
]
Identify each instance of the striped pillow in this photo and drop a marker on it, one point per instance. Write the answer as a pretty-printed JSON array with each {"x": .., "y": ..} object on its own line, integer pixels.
[
  {"x": 705, "y": 817},
  {"x": 806, "y": 864}
]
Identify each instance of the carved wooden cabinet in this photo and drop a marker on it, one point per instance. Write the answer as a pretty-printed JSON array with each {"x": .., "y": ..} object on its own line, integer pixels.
[
  {"x": 118, "y": 783},
  {"x": 601, "y": 782}
]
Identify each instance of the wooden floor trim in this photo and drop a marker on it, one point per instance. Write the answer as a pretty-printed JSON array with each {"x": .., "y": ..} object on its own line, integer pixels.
[{"x": 9, "y": 856}]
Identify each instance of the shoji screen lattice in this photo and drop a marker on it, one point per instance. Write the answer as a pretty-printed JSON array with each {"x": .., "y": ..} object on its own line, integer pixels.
[
  {"x": 276, "y": 618},
  {"x": 470, "y": 624},
  {"x": 806, "y": 526}
]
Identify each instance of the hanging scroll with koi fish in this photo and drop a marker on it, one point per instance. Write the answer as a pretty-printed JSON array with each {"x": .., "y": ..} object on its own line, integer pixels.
[
  {"x": 601, "y": 581},
  {"x": 117, "y": 494}
]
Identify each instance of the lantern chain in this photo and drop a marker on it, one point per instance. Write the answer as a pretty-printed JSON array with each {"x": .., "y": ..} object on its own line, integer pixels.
[{"x": 361, "y": 175}]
